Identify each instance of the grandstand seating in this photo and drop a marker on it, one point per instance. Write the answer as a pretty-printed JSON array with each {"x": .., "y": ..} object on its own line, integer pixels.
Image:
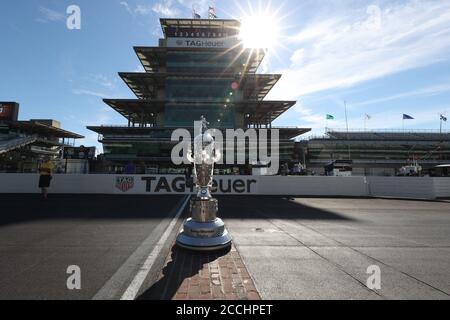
[{"x": 389, "y": 135}]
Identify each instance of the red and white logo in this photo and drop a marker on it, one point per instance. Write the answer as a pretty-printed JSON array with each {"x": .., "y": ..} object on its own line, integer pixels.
[{"x": 124, "y": 183}]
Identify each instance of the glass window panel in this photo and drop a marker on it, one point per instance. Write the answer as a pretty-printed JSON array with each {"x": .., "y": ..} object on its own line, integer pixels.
[
  {"x": 204, "y": 62},
  {"x": 200, "y": 89},
  {"x": 185, "y": 115}
]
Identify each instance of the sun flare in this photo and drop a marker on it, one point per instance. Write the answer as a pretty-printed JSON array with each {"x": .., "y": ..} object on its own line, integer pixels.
[{"x": 259, "y": 31}]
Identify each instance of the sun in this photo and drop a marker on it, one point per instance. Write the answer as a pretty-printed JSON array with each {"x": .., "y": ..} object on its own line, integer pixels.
[{"x": 259, "y": 31}]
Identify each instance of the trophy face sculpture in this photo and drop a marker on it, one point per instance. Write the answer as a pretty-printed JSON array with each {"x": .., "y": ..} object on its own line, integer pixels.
[{"x": 204, "y": 231}]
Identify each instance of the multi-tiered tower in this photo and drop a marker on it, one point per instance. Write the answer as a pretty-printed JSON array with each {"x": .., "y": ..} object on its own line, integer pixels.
[{"x": 200, "y": 68}]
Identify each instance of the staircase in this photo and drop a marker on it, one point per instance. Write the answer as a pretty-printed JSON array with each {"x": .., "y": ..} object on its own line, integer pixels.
[{"x": 15, "y": 143}]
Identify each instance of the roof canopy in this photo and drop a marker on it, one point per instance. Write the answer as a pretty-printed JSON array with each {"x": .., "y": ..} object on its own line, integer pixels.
[
  {"x": 145, "y": 85},
  {"x": 137, "y": 110},
  {"x": 34, "y": 127},
  {"x": 153, "y": 58},
  {"x": 199, "y": 23},
  {"x": 285, "y": 133}
]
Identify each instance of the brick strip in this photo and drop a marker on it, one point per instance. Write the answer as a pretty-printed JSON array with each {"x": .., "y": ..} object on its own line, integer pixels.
[{"x": 190, "y": 275}]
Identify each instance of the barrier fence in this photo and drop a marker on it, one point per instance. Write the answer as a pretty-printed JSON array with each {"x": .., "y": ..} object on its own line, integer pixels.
[{"x": 403, "y": 187}]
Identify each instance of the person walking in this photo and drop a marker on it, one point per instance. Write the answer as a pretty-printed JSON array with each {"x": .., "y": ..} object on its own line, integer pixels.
[
  {"x": 130, "y": 168},
  {"x": 45, "y": 176}
]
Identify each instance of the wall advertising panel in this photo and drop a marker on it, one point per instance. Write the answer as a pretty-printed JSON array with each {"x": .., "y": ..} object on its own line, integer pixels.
[
  {"x": 202, "y": 32},
  {"x": 407, "y": 187},
  {"x": 79, "y": 152},
  {"x": 219, "y": 43},
  {"x": 9, "y": 111}
]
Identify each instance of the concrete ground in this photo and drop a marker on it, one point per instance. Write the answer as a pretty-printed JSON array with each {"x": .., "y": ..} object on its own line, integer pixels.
[
  {"x": 39, "y": 240},
  {"x": 311, "y": 248}
]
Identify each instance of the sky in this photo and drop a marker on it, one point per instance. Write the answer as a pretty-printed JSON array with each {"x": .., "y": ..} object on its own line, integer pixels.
[{"x": 384, "y": 58}]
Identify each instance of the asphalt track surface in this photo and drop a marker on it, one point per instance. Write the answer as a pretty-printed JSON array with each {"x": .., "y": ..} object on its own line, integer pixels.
[
  {"x": 40, "y": 239},
  {"x": 294, "y": 248}
]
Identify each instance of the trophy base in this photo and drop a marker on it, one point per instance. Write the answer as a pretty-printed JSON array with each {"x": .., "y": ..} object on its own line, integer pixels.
[{"x": 204, "y": 236}]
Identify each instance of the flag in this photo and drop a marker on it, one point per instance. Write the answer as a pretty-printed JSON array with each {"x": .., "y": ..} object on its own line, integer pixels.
[
  {"x": 443, "y": 118},
  {"x": 195, "y": 15},
  {"x": 407, "y": 117},
  {"x": 330, "y": 117},
  {"x": 368, "y": 117},
  {"x": 212, "y": 13}
]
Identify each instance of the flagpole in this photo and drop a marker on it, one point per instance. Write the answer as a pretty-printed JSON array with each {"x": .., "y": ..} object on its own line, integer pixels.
[
  {"x": 346, "y": 118},
  {"x": 346, "y": 122}
]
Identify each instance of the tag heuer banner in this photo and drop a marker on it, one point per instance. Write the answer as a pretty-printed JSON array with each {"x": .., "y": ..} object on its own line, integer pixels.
[{"x": 201, "y": 42}]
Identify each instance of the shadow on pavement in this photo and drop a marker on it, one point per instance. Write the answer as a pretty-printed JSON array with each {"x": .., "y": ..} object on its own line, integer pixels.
[
  {"x": 273, "y": 207},
  {"x": 183, "y": 264},
  {"x": 18, "y": 208}
]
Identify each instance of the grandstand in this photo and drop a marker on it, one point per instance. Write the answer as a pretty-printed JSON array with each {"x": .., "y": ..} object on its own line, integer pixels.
[
  {"x": 23, "y": 143},
  {"x": 377, "y": 152}
]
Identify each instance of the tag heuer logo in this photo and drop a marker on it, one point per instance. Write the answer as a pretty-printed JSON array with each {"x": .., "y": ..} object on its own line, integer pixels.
[{"x": 124, "y": 183}]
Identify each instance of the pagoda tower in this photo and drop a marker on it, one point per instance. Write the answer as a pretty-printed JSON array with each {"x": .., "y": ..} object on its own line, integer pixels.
[{"x": 200, "y": 68}]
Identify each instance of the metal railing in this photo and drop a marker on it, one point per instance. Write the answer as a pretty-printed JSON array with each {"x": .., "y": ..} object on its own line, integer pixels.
[{"x": 340, "y": 130}]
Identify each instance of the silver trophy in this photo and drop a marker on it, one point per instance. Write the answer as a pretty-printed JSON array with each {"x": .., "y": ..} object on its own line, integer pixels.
[{"x": 204, "y": 231}]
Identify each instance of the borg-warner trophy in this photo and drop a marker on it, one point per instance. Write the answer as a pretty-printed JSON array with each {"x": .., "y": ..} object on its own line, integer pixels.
[{"x": 204, "y": 231}]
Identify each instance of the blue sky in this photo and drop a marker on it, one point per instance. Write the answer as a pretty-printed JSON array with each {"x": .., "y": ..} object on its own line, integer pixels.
[{"x": 385, "y": 58}]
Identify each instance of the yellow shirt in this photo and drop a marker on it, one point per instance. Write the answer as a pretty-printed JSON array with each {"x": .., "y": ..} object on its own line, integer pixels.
[{"x": 46, "y": 168}]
